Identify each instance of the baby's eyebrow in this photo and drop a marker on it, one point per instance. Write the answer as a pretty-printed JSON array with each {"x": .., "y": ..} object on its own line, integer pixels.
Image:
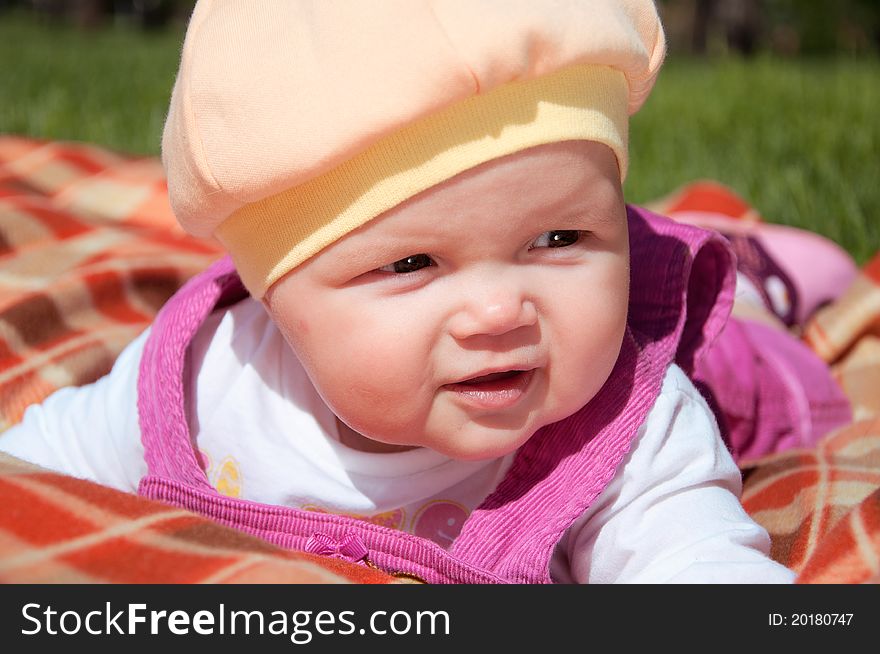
[
  {"x": 376, "y": 251},
  {"x": 587, "y": 216},
  {"x": 598, "y": 207}
]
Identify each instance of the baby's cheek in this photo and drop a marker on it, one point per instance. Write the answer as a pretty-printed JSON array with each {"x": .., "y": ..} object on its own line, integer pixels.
[
  {"x": 375, "y": 362},
  {"x": 389, "y": 350},
  {"x": 589, "y": 348},
  {"x": 302, "y": 327},
  {"x": 376, "y": 386}
]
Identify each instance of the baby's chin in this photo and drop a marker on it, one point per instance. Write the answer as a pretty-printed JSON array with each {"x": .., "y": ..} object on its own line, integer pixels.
[
  {"x": 481, "y": 443},
  {"x": 357, "y": 441},
  {"x": 478, "y": 444},
  {"x": 489, "y": 437},
  {"x": 486, "y": 439}
]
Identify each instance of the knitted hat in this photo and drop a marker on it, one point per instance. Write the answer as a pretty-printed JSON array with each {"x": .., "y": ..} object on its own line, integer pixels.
[{"x": 294, "y": 122}]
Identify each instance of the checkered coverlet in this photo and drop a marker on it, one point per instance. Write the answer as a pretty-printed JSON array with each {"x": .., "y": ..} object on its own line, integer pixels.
[
  {"x": 89, "y": 251},
  {"x": 821, "y": 506}
]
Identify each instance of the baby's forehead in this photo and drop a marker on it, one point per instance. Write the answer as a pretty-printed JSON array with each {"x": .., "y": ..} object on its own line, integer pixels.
[{"x": 526, "y": 185}]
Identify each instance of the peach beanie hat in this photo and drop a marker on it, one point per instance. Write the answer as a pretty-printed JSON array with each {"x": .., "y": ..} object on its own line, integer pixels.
[{"x": 294, "y": 122}]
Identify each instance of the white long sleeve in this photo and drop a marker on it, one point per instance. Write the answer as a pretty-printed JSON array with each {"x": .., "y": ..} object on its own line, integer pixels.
[
  {"x": 91, "y": 431},
  {"x": 672, "y": 512}
]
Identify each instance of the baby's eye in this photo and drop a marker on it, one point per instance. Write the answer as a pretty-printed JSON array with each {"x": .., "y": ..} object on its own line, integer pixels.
[
  {"x": 557, "y": 239},
  {"x": 408, "y": 264}
]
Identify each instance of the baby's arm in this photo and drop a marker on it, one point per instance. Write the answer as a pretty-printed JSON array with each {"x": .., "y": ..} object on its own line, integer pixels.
[
  {"x": 672, "y": 513},
  {"x": 89, "y": 431}
]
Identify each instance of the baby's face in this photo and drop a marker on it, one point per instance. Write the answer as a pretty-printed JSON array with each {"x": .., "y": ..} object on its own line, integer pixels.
[{"x": 473, "y": 314}]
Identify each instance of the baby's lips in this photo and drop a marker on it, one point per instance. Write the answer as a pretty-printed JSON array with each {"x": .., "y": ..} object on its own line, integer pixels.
[{"x": 492, "y": 376}]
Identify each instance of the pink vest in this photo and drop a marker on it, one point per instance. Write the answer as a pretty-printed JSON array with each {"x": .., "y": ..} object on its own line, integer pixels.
[{"x": 681, "y": 294}]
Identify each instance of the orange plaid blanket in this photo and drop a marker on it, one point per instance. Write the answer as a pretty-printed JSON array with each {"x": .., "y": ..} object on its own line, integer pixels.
[
  {"x": 89, "y": 251},
  {"x": 821, "y": 506}
]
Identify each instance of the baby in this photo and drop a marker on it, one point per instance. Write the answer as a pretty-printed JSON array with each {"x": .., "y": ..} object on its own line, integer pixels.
[{"x": 443, "y": 344}]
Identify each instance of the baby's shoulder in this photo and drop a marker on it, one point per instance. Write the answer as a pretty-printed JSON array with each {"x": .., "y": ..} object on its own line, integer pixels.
[
  {"x": 238, "y": 328},
  {"x": 236, "y": 339},
  {"x": 678, "y": 409},
  {"x": 676, "y": 382}
]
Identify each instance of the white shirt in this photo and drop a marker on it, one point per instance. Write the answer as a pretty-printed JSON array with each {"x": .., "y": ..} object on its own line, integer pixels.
[{"x": 670, "y": 514}]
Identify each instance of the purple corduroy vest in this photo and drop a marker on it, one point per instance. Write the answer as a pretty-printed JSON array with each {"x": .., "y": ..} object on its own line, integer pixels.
[{"x": 681, "y": 294}]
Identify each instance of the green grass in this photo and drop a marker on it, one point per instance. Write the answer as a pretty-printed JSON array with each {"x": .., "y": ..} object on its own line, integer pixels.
[
  {"x": 800, "y": 140},
  {"x": 108, "y": 86}
]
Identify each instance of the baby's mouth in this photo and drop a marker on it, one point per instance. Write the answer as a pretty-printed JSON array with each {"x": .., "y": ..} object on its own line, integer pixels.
[
  {"x": 496, "y": 390},
  {"x": 487, "y": 382}
]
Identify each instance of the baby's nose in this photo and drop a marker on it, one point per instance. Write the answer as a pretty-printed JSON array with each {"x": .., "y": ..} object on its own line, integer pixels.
[{"x": 493, "y": 314}]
